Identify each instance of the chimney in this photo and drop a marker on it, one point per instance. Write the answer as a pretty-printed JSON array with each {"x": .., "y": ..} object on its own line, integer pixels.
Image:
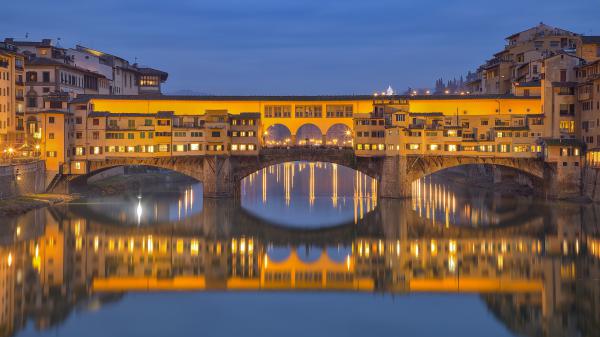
[{"x": 9, "y": 40}]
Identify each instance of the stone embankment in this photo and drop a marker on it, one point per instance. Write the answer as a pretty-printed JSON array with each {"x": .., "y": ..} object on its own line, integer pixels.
[
  {"x": 22, "y": 178},
  {"x": 591, "y": 183}
]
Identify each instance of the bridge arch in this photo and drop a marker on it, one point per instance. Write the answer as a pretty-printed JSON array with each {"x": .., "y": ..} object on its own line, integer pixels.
[
  {"x": 309, "y": 134},
  {"x": 524, "y": 171},
  {"x": 419, "y": 167},
  {"x": 343, "y": 157},
  {"x": 339, "y": 134},
  {"x": 277, "y": 135},
  {"x": 188, "y": 166}
]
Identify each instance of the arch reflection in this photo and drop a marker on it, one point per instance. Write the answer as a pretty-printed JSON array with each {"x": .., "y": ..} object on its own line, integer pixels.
[
  {"x": 544, "y": 268},
  {"x": 313, "y": 189}
]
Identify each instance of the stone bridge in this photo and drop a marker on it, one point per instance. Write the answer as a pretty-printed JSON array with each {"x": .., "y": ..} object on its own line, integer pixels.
[{"x": 221, "y": 175}]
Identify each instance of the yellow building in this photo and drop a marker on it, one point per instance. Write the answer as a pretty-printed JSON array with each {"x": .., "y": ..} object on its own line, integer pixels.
[
  {"x": 11, "y": 99},
  {"x": 102, "y": 127},
  {"x": 465, "y": 125}
]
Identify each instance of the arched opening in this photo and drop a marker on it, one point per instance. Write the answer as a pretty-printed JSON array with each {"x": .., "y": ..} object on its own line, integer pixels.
[
  {"x": 309, "y": 253},
  {"x": 339, "y": 253},
  {"x": 277, "y": 135},
  {"x": 476, "y": 195},
  {"x": 309, "y": 135},
  {"x": 339, "y": 135},
  {"x": 279, "y": 253}
]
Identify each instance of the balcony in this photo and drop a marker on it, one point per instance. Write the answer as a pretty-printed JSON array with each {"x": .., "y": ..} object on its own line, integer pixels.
[
  {"x": 19, "y": 82},
  {"x": 20, "y": 98},
  {"x": 584, "y": 96}
]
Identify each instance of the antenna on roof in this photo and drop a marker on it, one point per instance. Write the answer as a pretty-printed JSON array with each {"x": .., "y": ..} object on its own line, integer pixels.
[
  {"x": 58, "y": 42},
  {"x": 26, "y": 36}
]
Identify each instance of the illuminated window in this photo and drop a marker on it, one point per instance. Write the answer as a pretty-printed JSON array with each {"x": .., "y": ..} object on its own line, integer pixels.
[
  {"x": 97, "y": 150},
  {"x": 194, "y": 247},
  {"x": 234, "y": 147},
  {"x": 77, "y": 165},
  {"x": 381, "y": 147},
  {"x": 452, "y": 147},
  {"x": 163, "y": 148},
  {"x": 194, "y": 147},
  {"x": 131, "y": 149},
  {"x": 150, "y": 148},
  {"x": 79, "y": 151},
  {"x": 433, "y": 147},
  {"x": 413, "y": 146},
  {"x": 521, "y": 148},
  {"x": 251, "y": 147},
  {"x": 242, "y": 147}
]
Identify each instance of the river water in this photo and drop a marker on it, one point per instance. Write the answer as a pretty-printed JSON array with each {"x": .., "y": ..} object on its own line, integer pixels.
[{"x": 308, "y": 251}]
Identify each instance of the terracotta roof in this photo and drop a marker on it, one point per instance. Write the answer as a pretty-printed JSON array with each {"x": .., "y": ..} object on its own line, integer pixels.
[
  {"x": 590, "y": 39},
  {"x": 44, "y": 61},
  {"x": 153, "y": 72}
]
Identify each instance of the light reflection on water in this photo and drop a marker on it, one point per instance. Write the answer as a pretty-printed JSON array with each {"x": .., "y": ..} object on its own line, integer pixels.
[
  {"x": 301, "y": 194},
  {"x": 539, "y": 273}
]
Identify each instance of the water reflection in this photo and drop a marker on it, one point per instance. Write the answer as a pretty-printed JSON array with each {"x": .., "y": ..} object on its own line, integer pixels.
[
  {"x": 436, "y": 199},
  {"x": 301, "y": 193},
  {"x": 148, "y": 206},
  {"x": 538, "y": 272}
]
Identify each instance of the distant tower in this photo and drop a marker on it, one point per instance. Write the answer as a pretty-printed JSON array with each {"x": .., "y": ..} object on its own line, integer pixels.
[{"x": 389, "y": 91}]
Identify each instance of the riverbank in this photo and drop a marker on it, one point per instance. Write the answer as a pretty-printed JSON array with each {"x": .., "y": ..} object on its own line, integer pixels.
[{"x": 25, "y": 203}]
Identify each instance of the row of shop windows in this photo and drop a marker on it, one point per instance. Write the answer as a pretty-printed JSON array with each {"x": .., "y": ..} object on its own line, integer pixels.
[
  {"x": 96, "y": 150},
  {"x": 502, "y": 148},
  {"x": 309, "y": 111},
  {"x": 178, "y": 134}
]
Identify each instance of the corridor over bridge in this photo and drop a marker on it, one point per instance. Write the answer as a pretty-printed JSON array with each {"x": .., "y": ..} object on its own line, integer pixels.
[{"x": 396, "y": 139}]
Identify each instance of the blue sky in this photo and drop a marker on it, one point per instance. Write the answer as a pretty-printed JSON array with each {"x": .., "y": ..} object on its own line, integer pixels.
[{"x": 296, "y": 47}]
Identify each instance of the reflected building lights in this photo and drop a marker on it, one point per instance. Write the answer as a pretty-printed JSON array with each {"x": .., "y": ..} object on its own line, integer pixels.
[{"x": 363, "y": 190}]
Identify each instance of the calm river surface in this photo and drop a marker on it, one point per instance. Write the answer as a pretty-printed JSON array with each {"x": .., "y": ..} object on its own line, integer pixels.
[{"x": 308, "y": 251}]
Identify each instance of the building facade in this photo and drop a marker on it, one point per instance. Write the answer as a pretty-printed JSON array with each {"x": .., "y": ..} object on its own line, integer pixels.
[{"x": 11, "y": 98}]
